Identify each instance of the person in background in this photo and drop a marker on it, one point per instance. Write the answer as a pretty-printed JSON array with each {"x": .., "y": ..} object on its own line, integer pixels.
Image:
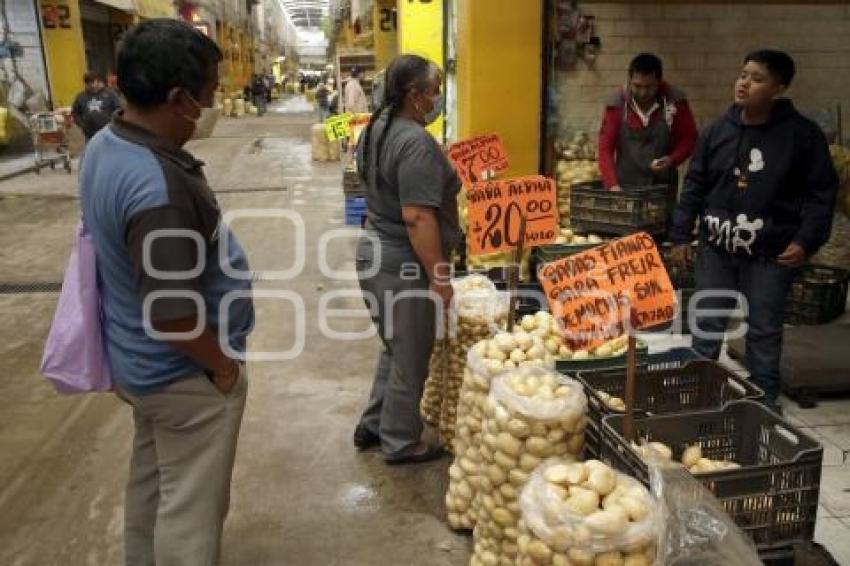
[
  {"x": 186, "y": 387},
  {"x": 763, "y": 188},
  {"x": 93, "y": 108},
  {"x": 353, "y": 97},
  {"x": 323, "y": 102},
  {"x": 258, "y": 94},
  {"x": 412, "y": 217},
  {"x": 648, "y": 130}
]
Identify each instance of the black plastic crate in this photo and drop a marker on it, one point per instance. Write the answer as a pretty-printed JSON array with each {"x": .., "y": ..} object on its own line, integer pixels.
[
  {"x": 773, "y": 496},
  {"x": 801, "y": 554},
  {"x": 698, "y": 385},
  {"x": 818, "y": 295},
  {"x": 634, "y": 209}
]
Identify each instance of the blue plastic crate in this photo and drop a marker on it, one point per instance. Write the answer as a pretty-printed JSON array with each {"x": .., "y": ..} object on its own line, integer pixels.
[{"x": 355, "y": 211}]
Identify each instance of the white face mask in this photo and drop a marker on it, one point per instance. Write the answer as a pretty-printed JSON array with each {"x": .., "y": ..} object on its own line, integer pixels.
[{"x": 202, "y": 110}]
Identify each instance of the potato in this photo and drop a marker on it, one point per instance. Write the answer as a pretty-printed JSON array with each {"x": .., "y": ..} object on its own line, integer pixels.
[
  {"x": 636, "y": 560},
  {"x": 565, "y": 353},
  {"x": 538, "y": 446},
  {"x": 519, "y": 428},
  {"x": 527, "y": 462},
  {"x": 602, "y": 481},
  {"x": 661, "y": 449},
  {"x": 580, "y": 355},
  {"x": 539, "y": 552},
  {"x": 582, "y": 501},
  {"x": 528, "y": 322},
  {"x": 508, "y": 443},
  {"x": 503, "y": 517},
  {"x": 609, "y": 559},
  {"x": 504, "y": 461},
  {"x": 691, "y": 455},
  {"x": 609, "y": 522}
]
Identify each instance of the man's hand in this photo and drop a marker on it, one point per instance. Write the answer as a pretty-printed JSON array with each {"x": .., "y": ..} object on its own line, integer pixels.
[
  {"x": 616, "y": 189},
  {"x": 444, "y": 290},
  {"x": 682, "y": 254},
  {"x": 225, "y": 379},
  {"x": 660, "y": 165},
  {"x": 793, "y": 256}
]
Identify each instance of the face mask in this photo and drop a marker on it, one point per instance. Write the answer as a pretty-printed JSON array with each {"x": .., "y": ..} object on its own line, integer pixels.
[
  {"x": 438, "y": 102},
  {"x": 197, "y": 105}
]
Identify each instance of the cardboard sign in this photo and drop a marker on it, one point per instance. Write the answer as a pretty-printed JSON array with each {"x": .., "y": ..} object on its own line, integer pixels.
[
  {"x": 596, "y": 294},
  {"x": 471, "y": 158},
  {"x": 337, "y": 127},
  {"x": 496, "y": 209}
]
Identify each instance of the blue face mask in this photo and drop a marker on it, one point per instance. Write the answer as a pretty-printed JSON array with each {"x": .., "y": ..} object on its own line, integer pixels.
[{"x": 437, "y": 109}]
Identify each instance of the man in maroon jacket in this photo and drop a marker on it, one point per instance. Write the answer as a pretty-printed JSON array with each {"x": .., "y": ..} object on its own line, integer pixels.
[{"x": 647, "y": 131}]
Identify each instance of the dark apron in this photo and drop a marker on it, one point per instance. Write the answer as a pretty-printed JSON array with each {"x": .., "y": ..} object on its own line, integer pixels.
[{"x": 635, "y": 151}]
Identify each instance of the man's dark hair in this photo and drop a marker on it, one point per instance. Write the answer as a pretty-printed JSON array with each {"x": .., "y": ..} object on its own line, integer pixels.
[
  {"x": 90, "y": 76},
  {"x": 646, "y": 64},
  {"x": 161, "y": 54},
  {"x": 778, "y": 63}
]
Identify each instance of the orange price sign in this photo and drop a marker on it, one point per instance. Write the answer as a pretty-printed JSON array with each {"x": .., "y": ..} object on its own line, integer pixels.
[
  {"x": 601, "y": 293},
  {"x": 496, "y": 209},
  {"x": 471, "y": 158}
]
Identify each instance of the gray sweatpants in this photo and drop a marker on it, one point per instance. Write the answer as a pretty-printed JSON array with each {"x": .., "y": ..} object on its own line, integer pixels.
[
  {"x": 406, "y": 325},
  {"x": 178, "y": 493}
]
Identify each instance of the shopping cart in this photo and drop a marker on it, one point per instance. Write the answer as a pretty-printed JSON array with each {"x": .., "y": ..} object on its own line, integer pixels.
[{"x": 50, "y": 139}]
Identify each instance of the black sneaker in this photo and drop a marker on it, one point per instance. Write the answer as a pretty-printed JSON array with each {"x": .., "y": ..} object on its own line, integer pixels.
[{"x": 364, "y": 438}]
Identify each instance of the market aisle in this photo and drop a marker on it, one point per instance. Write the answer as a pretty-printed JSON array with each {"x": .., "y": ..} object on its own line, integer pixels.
[{"x": 302, "y": 495}]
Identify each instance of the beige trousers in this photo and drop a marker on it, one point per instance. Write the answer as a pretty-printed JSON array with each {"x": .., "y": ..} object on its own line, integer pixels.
[{"x": 178, "y": 492}]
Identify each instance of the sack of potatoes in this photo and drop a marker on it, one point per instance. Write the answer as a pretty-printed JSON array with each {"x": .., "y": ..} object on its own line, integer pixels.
[
  {"x": 487, "y": 359},
  {"x": 432, "y": 395},
  {"x": 477, "y": 311},
  {"x": 531, "y": 414},
  {"x": 431, "y": 404},
  {"x": 586, "y": 514}
]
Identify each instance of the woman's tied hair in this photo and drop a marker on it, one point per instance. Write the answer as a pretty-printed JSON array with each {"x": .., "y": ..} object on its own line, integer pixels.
[{"x": 405, "y": 73}]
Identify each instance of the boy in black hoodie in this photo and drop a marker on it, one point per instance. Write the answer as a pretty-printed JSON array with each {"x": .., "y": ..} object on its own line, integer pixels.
[{"x": 763, "y": 187}]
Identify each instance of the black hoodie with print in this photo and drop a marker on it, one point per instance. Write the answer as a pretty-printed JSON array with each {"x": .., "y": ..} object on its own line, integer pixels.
[{"x": 758, "y": 188}]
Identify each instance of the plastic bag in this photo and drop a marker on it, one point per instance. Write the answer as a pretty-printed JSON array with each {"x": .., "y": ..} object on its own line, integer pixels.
[
  {"x": 697, "y": 530},
  {"x": 318, "y": 142},
  {"x": 624, "y": 524},
  {"x": 465, "y": 470},
  {"x": 532, "y": 414}
]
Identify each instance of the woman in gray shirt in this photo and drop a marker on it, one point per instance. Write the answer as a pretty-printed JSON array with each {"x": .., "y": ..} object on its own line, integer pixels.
[{"x": 402, "y": 261}]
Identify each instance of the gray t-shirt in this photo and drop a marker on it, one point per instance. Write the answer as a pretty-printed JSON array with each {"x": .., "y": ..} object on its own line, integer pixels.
[{"x": 413, "y": 171}]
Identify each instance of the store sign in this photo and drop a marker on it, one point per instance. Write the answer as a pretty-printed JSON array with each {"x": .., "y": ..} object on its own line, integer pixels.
[
  {"x": 496, "y": 209},
  {"x": 472, "y": 158},
  {"x": 596, "y": 293}
]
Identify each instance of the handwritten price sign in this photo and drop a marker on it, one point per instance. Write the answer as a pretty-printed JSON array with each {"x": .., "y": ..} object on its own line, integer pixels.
[
  {"x": 471, "y": 158},
  {"x": 496, "y": 209},
  {"x": 338, "y": 127},
  {"x": 595, "y": 293}
]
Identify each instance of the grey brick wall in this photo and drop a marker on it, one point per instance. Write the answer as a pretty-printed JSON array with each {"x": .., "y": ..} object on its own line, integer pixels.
[{"x": 703, "y": 45}]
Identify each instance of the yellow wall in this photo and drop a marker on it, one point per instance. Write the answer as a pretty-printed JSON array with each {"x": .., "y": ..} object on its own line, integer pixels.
[
  {"x": 66, "y": 58},
  {"x": 499, "y": 50},
  {"x": 420, "y": 29},
  {"x": 386, "y": 33}
]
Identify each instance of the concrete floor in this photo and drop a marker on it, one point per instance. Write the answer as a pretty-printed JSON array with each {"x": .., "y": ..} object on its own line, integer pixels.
[{"x": 301, "y": 495}]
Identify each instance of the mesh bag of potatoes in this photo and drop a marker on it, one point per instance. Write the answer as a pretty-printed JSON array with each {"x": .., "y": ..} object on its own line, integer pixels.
[
  {"x": 431, "y": 405},
  {"x": 531, "y": 414},
  {"x": 487, "y": 359},
  {"x": 586, "y": 514},
  {"x": 475, "y": 315},
  {"x": 432, "y": 396}
]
